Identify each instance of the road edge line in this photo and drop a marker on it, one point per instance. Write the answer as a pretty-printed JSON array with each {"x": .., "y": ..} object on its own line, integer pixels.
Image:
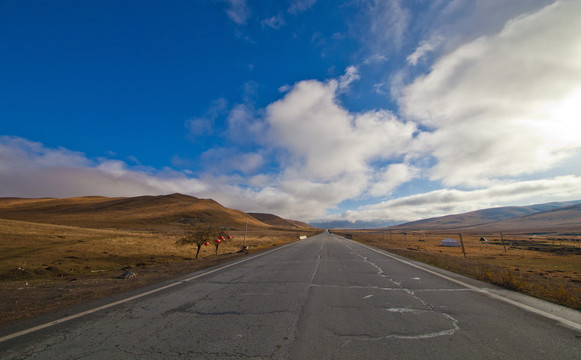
[{"x": 565, "y": 322}]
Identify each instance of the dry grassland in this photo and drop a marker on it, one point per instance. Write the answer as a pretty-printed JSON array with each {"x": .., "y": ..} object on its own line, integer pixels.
[
  {"x": 548, "y": 268},
  {"x": 45, "y": 267}
]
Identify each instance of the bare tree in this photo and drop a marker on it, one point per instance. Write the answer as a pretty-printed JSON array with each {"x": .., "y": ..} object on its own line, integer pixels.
[{"x": 199, "y": 235}]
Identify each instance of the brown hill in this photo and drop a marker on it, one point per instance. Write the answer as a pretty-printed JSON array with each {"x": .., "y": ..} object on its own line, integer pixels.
[
  {"x": 561, "y": 218},
  {"x": 565, "y": 220},
  {"x": 141, "y": 212},
  {"x": 277, "y": 221}
]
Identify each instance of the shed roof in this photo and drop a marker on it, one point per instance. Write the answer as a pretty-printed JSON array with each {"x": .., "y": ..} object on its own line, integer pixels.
[{"x": 449, "y": 242}]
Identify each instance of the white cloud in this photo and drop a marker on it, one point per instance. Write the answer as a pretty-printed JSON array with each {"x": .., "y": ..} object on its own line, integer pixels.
[
  {"x": 238, "y": 11},
  {"x": 375, "y": 59},
  {"x": 351, "y": 75},
  {"x": 392, "y": 177},
  {"x": 29, "y": 169},
  {"x": 325, "y": 151},
  {"x": 451, "y": 23},
  {"x": 505, "y": 104},
  {"x": 221, "y": 160},
  {"x": 385, "y": 25},
  {"x": 453, "y": 201},
  {"x": 275, "y": 22},
  {"x": 204, "y": 125},
  {"x": 424, "y": 48},
  {"x": 20, "y": 153},
  {"x": 284, "y": 88},
  {"x": 200, "y": 126},
  {"x": 324, "y": 140},
  {"x": 299, "y": 6},
  {"x": 243, "y": 124}
]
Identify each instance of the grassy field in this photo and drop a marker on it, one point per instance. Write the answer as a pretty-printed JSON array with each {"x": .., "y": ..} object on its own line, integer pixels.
[
  {"x": 45, "y": 267},
  {"x": 35, "y": 251},
  {"x": 548, "y": 268}
]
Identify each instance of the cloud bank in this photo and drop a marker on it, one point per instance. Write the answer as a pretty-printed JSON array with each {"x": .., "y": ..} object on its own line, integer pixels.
[
  {"x": 487, "y": 117},
  {"x": 505, "y": 104}
]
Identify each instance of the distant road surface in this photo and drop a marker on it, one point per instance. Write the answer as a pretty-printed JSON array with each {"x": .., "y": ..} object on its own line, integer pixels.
[{"x": 325, "y": 297}]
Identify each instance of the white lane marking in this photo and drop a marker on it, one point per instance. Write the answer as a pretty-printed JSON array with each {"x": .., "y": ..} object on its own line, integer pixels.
[
  {"x": 565, "y": 322},
  {"x": 367, "y": 297},
  {"x": 416, "y": 278},
  {"x": 402, "y": 310},
  {"x": 122, "y": 301}
]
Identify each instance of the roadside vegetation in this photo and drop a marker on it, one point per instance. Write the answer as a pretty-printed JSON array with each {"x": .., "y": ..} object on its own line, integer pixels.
[
  {"x": 44, "y": 267},
  {"x": 545, "y": 267}
]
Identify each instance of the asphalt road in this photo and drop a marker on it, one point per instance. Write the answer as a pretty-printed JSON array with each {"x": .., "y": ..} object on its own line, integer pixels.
[{"x": 321, "y": 298}]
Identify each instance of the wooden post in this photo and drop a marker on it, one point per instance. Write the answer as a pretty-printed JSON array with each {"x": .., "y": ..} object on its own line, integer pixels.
[
  {"x": 502, "y": 240},
  {"x": 462, "y": 244},
  {"x": 245, "y": 231}
]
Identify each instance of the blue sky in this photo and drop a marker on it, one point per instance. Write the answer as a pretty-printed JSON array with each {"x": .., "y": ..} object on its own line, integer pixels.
[{"x": 357, "y": 110}]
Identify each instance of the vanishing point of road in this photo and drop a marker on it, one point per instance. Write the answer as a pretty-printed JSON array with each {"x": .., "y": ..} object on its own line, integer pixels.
[{"x": 325, "y": 297}]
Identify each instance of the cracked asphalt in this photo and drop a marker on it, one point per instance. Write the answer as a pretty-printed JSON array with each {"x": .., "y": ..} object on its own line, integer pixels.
[{"x": 325, "y": 297}]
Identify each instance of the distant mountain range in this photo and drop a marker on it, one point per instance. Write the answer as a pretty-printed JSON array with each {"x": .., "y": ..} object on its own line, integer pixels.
[
  {"x": 141, "y": 212},
  {"x": 345, "y": 224},
  {"x": 561, "y": 217},
  {"x": 171, "y": 211}
]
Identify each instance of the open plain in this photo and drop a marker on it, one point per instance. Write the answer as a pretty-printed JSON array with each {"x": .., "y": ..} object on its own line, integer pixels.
[
  {"x": 324, "y": 297},
  {"x": 52, "y": 263}
]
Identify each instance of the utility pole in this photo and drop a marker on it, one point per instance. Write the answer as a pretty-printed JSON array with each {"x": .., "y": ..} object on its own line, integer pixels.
[
  {"x": 502, "y": 240},
  {"x": 245, "y": 230},
  {"x": 462, "y": 243}
]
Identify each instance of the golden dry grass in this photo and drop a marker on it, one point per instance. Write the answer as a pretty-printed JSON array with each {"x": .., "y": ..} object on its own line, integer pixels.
[
  {"x": 45, "y": 267},
  {"x": 58, "y": 252},
  {"x": 548, "y": 268},
  {"x": 33, "y": 250}
]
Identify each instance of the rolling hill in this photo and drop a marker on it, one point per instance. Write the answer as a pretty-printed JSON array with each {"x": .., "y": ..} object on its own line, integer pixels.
[
  {"x": 277, "y": 221},
  {"x": 561, "y": 217},
  {"x": 565, "y": 220},
  {"x": 141, "y": 212}
]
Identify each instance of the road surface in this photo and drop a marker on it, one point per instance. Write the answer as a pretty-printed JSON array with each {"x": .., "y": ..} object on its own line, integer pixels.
[{"x": 325, "y": 297}]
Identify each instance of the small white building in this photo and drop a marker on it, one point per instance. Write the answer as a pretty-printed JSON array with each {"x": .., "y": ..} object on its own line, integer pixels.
[{"x": 449, "y": 243}]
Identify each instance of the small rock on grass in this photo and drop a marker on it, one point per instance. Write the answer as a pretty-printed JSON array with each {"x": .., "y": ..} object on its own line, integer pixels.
[{"x": 127, "y": 275}]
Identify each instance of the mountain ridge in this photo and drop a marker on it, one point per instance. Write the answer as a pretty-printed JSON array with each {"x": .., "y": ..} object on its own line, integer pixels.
[
  {"x": 139, "y": 212},
  {"x": 532, "y": 218},
  {"x": 275, "y": 220}
]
